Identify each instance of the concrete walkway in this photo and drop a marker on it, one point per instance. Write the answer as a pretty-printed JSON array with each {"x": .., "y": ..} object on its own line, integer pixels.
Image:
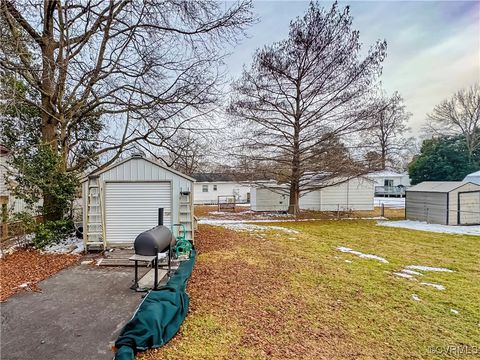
[{"x": 78, "y": 315}]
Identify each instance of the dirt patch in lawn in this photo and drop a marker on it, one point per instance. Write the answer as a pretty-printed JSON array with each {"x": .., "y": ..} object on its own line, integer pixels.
[{"x": 23, "y": 269}]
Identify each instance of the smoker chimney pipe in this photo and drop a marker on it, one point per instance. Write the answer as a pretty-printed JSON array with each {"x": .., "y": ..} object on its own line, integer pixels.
[{"x": 160, "y": 216}]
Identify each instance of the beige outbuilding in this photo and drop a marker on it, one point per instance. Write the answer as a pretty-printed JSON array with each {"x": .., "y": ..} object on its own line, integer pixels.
[
  {"x": 444, "y": 202},
  {"x": 124, "y": 199}
]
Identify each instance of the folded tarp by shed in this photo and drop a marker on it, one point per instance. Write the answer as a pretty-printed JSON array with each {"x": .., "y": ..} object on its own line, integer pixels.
[{"x": 158, "y": 317}]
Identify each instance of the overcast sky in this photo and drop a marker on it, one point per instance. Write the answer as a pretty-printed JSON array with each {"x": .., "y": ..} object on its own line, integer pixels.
[{"x": 433, "y": 46}]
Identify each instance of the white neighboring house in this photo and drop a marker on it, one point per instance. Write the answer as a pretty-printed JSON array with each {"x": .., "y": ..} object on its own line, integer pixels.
[
  {"x": 473, "y": 177},
  {"x": 389, "y": 183},
  {"x": 344, "y": 194},
  {"x": 209, "y": 187},
  {"x": 13, "y": 204}
]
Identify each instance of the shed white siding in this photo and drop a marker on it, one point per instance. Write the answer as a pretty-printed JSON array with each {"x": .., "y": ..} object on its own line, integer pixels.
[
  {"x": 354, "y": 194},
  {"x": 133, "y": 190},
  {"x": 223, "y": 188},
  {"x": 268, "y": 199}
]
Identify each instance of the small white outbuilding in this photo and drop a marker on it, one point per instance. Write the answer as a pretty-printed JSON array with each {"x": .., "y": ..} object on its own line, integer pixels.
[
  {"x": 269, "y": 198},
  {"x": 344, "y": 194},
  {"x": 123, "y": 200},
  {"x": 473, "y": 177},
  {"x": 444, "y": 202}
]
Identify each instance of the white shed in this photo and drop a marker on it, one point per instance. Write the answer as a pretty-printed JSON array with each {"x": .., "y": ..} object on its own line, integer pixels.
[
  {"x": 121, "y": 201},
  {"x": 269, "y": 198},
  {"x": 444, "y": 202},
  {"x": 350, "y": 194},
  {"x": 344, "y": 194}
]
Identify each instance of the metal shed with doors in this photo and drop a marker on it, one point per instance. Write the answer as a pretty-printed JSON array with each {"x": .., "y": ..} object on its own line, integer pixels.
[
  {"x": 444, "y": 202},
  {"x": 123, "y": 200}
]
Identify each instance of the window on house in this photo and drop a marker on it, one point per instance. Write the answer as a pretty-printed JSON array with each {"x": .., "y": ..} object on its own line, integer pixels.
[
  {"x": 388, "y": 182},
  {"x": 214, "y": 187},
  {"x": 204, "y": 188}
]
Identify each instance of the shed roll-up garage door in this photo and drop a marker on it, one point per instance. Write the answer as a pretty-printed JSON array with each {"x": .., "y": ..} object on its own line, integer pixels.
[{"x": 132, "y": 207}]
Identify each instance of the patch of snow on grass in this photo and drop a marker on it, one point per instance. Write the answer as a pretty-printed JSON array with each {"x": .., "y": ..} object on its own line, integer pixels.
[
  {"x": 423, "y": 226},
  {"x": 71, "y": 244},
  {"x": 360, "y": 254},
  {"x": 403, "y": 275},
  {"x": 256, "y": 228},
  {"x": 428, "y": 268},
  {"x": 415, "y": 297},
  {"x": 411, "y": 272},
  {"x": 436, "y": 286}
]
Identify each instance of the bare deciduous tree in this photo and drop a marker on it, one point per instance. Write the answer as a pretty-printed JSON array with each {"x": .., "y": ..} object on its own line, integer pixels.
[
  {"x": 187, "y": 153},
  {"x": 109, "y": 74},
  {"x": 305, "y": 91},
  {"x": 458, "y": 115},
  {"x": 387, "y": 140}
]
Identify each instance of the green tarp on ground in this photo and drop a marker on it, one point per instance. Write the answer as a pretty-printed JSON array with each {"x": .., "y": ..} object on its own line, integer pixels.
[{"x": 158, "y": 317}]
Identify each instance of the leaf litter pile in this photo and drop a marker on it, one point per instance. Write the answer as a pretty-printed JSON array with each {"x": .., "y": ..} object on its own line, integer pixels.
[
  {"x": 23, "y": 269},
  {"x": 242, "y": 305}
]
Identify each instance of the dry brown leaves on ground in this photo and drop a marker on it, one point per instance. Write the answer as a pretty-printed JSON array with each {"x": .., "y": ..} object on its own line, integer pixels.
[
  {"x": 29, "y": 267},
  {"x": 244, "y": 279}
]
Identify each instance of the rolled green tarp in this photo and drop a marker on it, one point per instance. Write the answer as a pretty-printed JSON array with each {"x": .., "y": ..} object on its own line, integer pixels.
[{"x": 159, "y": 316}]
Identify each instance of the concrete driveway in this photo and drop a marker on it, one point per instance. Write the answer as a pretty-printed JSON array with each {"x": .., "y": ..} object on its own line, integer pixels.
[{"x": 78, "y": 315}]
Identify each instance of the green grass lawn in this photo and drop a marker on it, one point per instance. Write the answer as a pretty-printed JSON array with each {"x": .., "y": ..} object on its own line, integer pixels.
[{"x": 284, "y": 295}]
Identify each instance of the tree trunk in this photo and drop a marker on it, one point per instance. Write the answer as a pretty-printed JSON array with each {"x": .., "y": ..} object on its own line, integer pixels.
[
  {"x": 293, "y": 205},
  {"x": 51, "y": 212},
  {"x": 383, "y": 160}
]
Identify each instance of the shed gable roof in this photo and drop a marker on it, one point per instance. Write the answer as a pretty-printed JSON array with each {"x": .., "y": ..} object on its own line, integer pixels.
[
  {"x": 136, "y": 157},
  {"x": 438, "y": 186}
]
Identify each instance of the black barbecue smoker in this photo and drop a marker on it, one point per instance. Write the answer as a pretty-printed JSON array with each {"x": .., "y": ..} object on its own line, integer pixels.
[{"x": 149, "y": 244}]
